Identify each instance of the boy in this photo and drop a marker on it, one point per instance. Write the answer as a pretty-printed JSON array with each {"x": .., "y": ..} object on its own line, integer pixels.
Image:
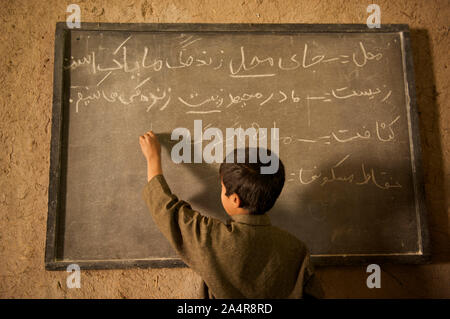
[{"x": 246, "y": 258}]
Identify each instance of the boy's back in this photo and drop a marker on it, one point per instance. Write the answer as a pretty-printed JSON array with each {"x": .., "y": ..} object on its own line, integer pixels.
[{"x": 247, "y": 258}]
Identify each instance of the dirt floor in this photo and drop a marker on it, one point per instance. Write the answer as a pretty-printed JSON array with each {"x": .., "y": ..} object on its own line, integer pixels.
[{"x": 26, "y": 75}]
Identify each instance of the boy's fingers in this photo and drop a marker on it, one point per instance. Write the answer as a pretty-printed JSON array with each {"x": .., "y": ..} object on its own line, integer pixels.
[{"x": 148, "y": 135}]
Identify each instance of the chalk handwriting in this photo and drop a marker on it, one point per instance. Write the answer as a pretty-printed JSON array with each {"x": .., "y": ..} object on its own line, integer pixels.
[
  {"x": 189, "y": 53},
  {"x": 364, "y": 176},
  {"x": 246, "y": 66},
  {"x": 381, "y": 132}
]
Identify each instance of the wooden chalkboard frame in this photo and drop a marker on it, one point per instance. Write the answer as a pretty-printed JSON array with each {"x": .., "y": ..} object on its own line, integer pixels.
[{"x": 60, "y": 126}]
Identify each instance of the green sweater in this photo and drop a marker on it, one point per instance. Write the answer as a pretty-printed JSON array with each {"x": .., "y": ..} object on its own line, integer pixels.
[{"x": 245, "y": 258}]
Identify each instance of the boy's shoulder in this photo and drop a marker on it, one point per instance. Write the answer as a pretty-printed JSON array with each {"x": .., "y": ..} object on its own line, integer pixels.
[{"x": 270, "y": 230}]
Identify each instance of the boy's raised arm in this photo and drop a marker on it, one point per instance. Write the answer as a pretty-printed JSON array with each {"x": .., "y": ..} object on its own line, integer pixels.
[
  {"x": 152, "y": 152},
  {"x": 187, "y": 230}
]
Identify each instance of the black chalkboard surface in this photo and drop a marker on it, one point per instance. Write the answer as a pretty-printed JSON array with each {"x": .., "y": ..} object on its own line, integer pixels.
[{"x": 342, "y": 96}]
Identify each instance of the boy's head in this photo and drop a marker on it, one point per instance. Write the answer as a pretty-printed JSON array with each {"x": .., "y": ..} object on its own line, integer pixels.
[{"x": 244, "y": 189}]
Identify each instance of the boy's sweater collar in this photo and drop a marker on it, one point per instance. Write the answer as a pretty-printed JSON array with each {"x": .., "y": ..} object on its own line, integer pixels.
[{"x": 260, "y": 220}]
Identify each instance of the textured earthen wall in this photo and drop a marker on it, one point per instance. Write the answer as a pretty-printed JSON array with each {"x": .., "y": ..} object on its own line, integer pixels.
[{"x": 26, "y": 70}]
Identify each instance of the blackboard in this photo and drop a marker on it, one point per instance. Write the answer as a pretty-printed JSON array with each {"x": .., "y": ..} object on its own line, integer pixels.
[{"x": 342, "y": 96}]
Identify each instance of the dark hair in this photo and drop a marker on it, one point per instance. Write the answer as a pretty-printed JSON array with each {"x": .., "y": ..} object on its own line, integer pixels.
[{"x": 257, "y": 192}]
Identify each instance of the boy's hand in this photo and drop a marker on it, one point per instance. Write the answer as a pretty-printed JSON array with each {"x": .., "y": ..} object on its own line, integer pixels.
[
  {"x": 150, "y": 146},
  {"x": 151, "y": 149}
]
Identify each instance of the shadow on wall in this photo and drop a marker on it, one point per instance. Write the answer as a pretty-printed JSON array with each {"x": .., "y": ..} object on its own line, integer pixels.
[
  {"x": 408, "y": 280},
  {"x": 364, "y": 209},
  {"x": 208, "y": 197},
  {"x": 432, "y": 156},
  {"x": 411, "y": 281}
]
